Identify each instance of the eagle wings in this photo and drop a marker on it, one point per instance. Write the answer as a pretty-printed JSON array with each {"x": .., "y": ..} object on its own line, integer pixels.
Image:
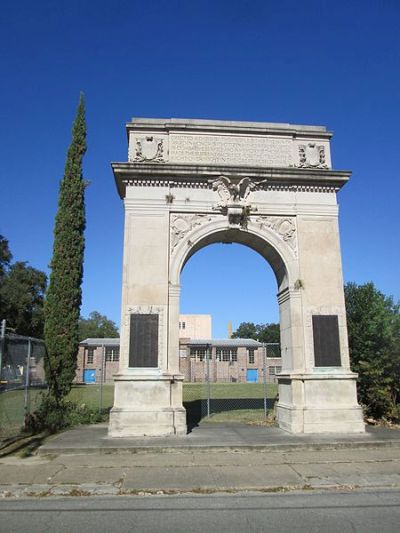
[{"x": 234, "y": 192}]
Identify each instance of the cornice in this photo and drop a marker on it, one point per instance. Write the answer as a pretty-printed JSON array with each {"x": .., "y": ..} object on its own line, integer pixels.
[
  {"x": 226, "y": 126},
  {"x": 198, "y": 176}
]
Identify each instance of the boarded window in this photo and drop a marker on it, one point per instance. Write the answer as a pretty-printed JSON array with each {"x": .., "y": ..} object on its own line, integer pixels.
[
  {"x": 143, "y": 342},
  {"x": 199, "y": 353},
  {"x": 250, "y": 352},
  {"x": 90, "y": 356},
  {"x": 226, "y": 354},
  {"x": 326, "y": 340},
  {"x": 112, "y": 353}
]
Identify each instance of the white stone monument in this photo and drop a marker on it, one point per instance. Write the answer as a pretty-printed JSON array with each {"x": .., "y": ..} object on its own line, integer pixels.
[{"x": 190, "y": 183}]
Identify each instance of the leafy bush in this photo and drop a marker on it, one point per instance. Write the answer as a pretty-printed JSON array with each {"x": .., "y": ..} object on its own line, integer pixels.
[{"x": 53, "y": 416}]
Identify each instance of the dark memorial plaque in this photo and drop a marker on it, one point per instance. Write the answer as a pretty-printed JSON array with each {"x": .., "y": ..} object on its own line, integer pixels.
[
  {"x": 326, "y": 340},
  {"x": 143, "y": 340}
]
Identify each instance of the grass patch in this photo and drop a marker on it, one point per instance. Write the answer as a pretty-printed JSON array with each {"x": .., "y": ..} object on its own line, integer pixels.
[
  {"x": 230, "y": 402},
  {"x": 89, "y": 395},
  {"x": 243, "y": 416},
  {"x": 199, "y": 391},
  {"x": 12, "y": 411}
]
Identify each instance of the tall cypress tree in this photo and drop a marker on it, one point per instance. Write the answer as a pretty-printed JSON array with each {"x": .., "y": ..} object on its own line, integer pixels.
[{"x": 64, "y": 295}]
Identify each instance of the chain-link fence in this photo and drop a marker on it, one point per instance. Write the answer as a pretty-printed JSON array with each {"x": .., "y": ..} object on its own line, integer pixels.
[
  {"x": 22, "y": 377},
  {"x": 229, "y": 386},
  {"x": 221, "y": 385}
]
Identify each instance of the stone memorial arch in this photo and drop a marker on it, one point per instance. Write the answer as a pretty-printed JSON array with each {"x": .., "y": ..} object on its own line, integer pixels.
[{"x": 190, "y": 183}]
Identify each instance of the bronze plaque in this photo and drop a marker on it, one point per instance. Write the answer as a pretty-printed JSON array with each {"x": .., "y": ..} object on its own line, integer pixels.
[
  {"x": 143, "y": 340},
  {"x": 326, "y": 340}
]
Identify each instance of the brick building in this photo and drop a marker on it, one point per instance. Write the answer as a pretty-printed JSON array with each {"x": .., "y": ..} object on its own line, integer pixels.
[
  {"x": 98, "y": 360},
  {"x": 231, "y": 360}
]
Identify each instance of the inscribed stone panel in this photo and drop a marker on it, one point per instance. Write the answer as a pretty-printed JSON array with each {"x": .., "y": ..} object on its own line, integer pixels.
[
  {"x": 230, "y": 149},
  {"x": 326, "y": 340},
  {"x": 143, "y": 342}
]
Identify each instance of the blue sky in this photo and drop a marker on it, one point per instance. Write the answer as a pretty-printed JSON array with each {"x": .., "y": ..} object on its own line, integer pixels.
[{"x": 311, "y": 62}]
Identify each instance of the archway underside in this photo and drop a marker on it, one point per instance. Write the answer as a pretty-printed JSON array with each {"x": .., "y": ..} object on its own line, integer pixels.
[{"x": 256, "y": 243}]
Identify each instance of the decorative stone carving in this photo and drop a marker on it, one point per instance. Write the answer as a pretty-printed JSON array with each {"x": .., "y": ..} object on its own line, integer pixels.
[
  {"x": 142, "y": 309},
  {"x": 284, "y": 227},
  {"x": 149, "y": 149},
  {"x": 233, "y": 193},
  {"x": 233, "y": 198},
  {"x": 181, "y": 225},
  {"x": 312, "y": 156}
]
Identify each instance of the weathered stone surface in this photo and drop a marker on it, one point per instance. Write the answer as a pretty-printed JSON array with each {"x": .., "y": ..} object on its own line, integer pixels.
[{"x": 191, "y": 183}]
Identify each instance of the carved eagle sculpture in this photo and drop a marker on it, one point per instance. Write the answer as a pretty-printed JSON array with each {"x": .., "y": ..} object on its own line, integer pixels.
[{"x": 233, "y": 192}]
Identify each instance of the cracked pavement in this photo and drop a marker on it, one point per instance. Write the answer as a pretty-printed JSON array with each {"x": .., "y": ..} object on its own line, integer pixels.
[{"x": 198, "y": 471}]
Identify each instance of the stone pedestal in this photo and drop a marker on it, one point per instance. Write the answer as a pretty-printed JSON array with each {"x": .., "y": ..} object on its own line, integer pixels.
[
  {"x": 147, "y": 405},
  {"x": 319, "y": 403}
]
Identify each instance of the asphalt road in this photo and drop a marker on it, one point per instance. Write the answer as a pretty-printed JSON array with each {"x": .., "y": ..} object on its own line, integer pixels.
[{"x": 364, "y": 511}]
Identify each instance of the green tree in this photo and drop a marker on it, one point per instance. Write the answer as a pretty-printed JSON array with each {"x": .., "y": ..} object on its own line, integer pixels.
[
  {"x": 63, "y": 298},
  {"x": 22, "y": 291},
  {"x": 373, "y": 323},
  {"x": 260, "y": 332},
  {"x": 5, "y": 256},
  {"x": 97, "y": 326},
  {"x": 5, "y": 260}
]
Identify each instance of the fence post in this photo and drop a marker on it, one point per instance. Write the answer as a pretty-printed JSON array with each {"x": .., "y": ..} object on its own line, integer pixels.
[
  {"x": 2, "y": 342},
  {"x": 208, "y": 380},
  {"x": 265, "y": 378},
  {"x": 103, "y": 362},
  {"x": 27, "y": 377}
]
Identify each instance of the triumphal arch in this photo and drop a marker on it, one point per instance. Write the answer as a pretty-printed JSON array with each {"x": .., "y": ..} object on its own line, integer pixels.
[{"x": 190, "y": 183}]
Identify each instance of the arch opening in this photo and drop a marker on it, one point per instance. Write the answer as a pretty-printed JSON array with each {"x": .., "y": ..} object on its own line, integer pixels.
[
  {"x": 240, "y": 377},
  {"x": 232, "y": 283},
  {"x": 249, "y": 239}
]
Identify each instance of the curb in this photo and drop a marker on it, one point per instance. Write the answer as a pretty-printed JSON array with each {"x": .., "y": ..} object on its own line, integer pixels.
[
  {"x": 47, "y": 449},
  {"x": 22, "y": 491}
]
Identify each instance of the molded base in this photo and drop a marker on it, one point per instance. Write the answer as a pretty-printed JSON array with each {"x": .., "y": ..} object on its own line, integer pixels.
[
  {"x": 147, "y": 405},
  {"x": 161, "y": 423},
  {"x": 319, "y": 403}
]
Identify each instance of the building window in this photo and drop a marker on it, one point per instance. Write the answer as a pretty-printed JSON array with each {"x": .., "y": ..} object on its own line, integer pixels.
[
  {"x": 250, "y": 352},
  {"x": 112, "y": 353},
  {"x": 273, "y": 370},
  {"x": 182, "y": 325},
  {"x": 198, "y": 353},
  {"x": 226, "y": 354},
  {"x": 89, "y": 356}
]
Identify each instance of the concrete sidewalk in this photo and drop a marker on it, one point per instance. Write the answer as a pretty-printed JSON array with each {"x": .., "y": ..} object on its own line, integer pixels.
[
  {"x": 215, "y": 437},
  {"x": 213, "y": 459}
]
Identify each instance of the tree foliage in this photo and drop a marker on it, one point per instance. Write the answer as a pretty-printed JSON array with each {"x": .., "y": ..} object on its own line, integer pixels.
[
  {"x": 22, "y": 290},
  {"x": 63, "y": 298},
  {"x": 5, "y": 256},
  {"x": 373, "y": 323},
  {"x": 97, "y": 326},
  {"x": 260, "y": 332}
]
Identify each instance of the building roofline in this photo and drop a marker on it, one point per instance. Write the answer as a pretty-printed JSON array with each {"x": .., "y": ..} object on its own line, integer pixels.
[
  {"x": 225, "y": 342},
  {"x": 100, "y": 342}
]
